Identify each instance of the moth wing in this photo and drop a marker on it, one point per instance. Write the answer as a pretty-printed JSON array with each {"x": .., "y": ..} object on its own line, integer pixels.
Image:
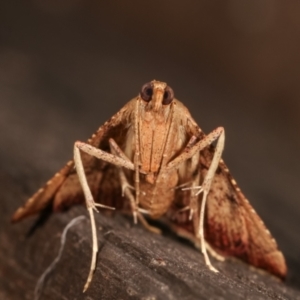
[
  {"x": 44, "y": 196},
  {"x": 64, "y": 189},
  {"x": 232, "y": 227}
]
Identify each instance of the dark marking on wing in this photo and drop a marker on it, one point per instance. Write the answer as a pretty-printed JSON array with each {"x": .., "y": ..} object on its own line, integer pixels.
[{"x": 232, "y": 227}]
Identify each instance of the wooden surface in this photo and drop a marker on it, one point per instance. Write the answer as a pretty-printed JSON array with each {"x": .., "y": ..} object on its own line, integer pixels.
[
  {"x": 132, "y": 263},
  {"x": 67, "y": 66}
]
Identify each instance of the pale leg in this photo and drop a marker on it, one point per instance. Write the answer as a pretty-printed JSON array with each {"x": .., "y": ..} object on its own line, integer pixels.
[
  {"x": 90, "y": 203},
  {"x": 115, "y": 149},
  {"x": 205, "y": 188}
]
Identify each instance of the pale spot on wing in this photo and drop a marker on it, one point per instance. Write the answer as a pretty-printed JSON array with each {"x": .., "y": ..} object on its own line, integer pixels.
[{"x": 233, "y": 182}]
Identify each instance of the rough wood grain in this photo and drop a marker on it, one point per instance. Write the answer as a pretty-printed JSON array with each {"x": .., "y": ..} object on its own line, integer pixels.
[{"x": 132, "y": 263}]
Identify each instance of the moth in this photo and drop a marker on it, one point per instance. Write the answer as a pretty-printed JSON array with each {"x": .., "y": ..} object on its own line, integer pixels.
[{"x": 151, "y": 158}]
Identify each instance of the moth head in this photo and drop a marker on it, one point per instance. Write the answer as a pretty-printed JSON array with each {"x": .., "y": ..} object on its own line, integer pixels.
[{"x": 157, "y": 94}]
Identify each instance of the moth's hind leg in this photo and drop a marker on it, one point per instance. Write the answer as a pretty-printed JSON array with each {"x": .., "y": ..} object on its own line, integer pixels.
[{"x": 127, "y": 189}]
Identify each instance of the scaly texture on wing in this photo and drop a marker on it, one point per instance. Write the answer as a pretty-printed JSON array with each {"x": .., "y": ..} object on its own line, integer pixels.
[
  {"x": 232, "y": 227},
  {"x": 44, "y": 196},
  {"x": 64, "y": 190}
]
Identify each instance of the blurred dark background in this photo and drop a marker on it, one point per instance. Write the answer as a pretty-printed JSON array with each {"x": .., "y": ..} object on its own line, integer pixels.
[{"x": 67, "y": 65}]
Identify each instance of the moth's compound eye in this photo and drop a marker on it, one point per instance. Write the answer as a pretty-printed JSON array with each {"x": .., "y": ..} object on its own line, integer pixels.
[
  {"x": 147, "y": 92},
  {"x": 168, "y": 96}
]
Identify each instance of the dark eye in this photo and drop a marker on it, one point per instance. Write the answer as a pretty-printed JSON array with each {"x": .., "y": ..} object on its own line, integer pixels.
[
  {"x": 168, "y": 96},
  {"x": 147, "y": 91}
]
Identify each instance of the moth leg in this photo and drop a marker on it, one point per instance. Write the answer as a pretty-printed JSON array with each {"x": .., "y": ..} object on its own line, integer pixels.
[
  {"x": 193, "y": 205},
  {"x": 209, "y": 248},
  {"x": 139, "y": 215},
  {"x": 183, "y": 186},
  {"x": 90, "y": 203},
  {"x": 103, "y": 155},
  {"x": 206, "y": 188},
  {"x": 90, "y": 206},
  {"x": 188, "y": 153},
  {"x": 191, "y": 150},
  {"x": 115, "y": 149},
  {"x": 147, "y": 225},
  {"x": 213, "y": 253},
  {"x": 193, "y": 184}
]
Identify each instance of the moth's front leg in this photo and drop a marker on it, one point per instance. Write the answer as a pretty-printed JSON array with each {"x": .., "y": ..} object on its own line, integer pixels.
[
  {"x": 125, "y": 186},
  {"x": 205, "y": 188},
  {"x": 190, "y": 170},
  {"x": 89, "y": 200},
  {"x": 188, "y": 153},
  {"x": 187, "y": 189},
  {"x": 127, "y": 189}
]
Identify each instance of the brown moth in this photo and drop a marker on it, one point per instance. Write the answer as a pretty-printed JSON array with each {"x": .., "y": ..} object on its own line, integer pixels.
[{"x": 152, "y": 158}]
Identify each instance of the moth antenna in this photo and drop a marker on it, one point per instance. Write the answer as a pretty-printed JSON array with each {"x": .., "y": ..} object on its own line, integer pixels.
[{"x": 137, "y": 153}]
